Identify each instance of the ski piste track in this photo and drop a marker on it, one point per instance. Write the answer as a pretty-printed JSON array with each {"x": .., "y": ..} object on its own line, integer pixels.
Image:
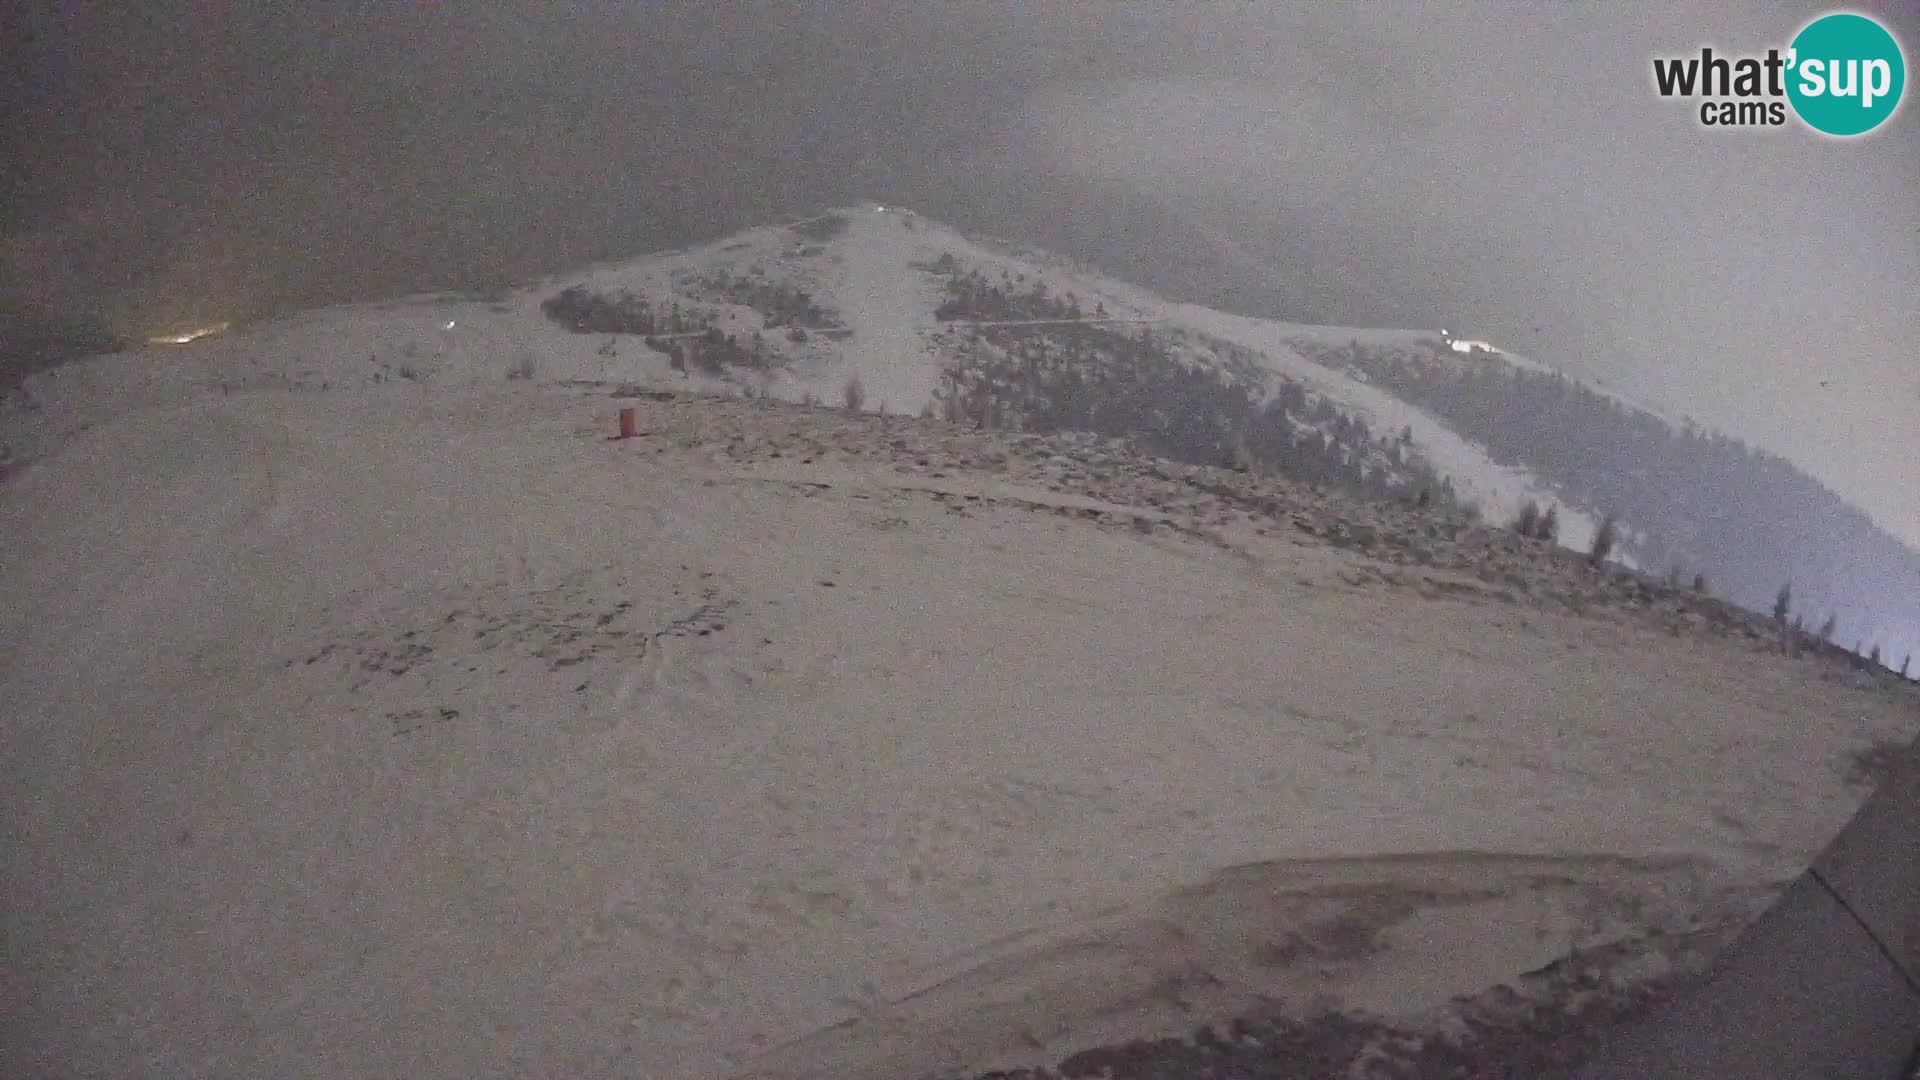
[{"x": 1825, "y": 983}]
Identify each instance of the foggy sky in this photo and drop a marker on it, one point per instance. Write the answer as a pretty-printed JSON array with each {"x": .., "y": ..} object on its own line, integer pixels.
[{"x": 1505, "y": 171}]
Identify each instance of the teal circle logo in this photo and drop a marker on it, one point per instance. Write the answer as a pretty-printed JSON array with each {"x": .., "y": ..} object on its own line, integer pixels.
[{"x": 1845, "y": 74}]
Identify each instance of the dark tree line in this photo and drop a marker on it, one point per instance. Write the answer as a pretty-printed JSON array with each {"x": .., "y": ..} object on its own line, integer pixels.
[
  {"x": 704, "y": 347},
  {"x": 1159, "y": 391},
  {"x": 825, "y": 227},
  {"x": 780, "y": 304},
  {"x": 1703, "y": 499},
  {"x": 713, "y": 352},
  {"x": 972, "y": 295},
  {"x": 586, "y": 312}
]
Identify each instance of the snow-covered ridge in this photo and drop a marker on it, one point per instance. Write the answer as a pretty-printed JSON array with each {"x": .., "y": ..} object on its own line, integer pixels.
[{"x": 874, "y": 275}]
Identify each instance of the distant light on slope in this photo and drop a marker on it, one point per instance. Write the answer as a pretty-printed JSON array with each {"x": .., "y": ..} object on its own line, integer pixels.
[
  {"x": 189, "y": 336},
  {"x": 449, "y": 324},
  {"x": 1468, "y": 345}
]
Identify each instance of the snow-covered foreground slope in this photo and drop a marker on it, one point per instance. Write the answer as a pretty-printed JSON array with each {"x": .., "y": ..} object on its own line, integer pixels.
[{"x": 422, "y": 730}]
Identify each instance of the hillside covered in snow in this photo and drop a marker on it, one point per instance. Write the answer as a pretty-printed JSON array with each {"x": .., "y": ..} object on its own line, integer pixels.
[
  {"x": 900, "y": 314},
  {"x": 372, "y": 710},
  {"x": 422, "y": 729}
]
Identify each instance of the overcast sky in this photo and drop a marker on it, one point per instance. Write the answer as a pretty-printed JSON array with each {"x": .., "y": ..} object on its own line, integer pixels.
[{"x": 1505, "y": 170}]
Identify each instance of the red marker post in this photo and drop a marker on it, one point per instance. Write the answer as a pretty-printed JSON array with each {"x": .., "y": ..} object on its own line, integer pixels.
[{"x": 628, "y": 428}]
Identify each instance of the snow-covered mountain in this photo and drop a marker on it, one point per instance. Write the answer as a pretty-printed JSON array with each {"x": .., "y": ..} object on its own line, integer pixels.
[
  {"x": 920, "y": 318},
  {"x": 421, "y": 728},
  {"x": 854, "y": 294}
]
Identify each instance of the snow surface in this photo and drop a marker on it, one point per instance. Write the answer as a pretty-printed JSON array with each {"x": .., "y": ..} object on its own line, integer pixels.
[
  {"x": 1499, "y": 489},
  {"x": 419, "y": 729},
  {"x": 868, "y": 275},
  {"x": 892, "y": 308}
]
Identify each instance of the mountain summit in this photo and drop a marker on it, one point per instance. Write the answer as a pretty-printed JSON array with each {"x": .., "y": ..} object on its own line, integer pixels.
[{"x": 879, "y": 306}]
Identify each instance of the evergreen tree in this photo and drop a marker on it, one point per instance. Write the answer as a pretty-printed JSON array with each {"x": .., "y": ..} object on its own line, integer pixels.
[
  {"x": 1528, "y": 522},
  {"x": 1602, "y": 542}
]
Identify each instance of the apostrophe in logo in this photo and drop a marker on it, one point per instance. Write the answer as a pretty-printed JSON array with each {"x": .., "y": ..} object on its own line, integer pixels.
[
  {"x": 1847, "y": 74},
  {"x": 1842, "y": 75}
]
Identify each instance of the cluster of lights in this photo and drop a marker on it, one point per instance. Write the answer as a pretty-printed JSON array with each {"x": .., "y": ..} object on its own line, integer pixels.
[
  {"x": 1467, "y": 345},
  {"x": 190, "y": 336}
]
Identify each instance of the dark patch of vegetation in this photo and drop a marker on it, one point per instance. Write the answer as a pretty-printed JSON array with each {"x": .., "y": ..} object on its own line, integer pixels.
[
  {"x": 713, "y": 352},
  {"x": 943, "y": 266},
  {"x": 1699, "y": 497},
  {"x": 1527, "y": 521},
  {"x": 1534, "y": 525},
  {"x": 972, "y": 296},
  {"x": 1603, "y": 541},
  {"x": 1175, "y": 397},
  {"x": 1873, "y": 764},
  {"x": 687, "y": 337},
  {"x": 825, "y": 227},
  {"x": 586, "y": 312},
  {"x": 780, "y": 304}
]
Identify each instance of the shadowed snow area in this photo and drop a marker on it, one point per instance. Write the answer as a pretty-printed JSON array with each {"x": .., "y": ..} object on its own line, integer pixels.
[{"x": 426, "y": 731}]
